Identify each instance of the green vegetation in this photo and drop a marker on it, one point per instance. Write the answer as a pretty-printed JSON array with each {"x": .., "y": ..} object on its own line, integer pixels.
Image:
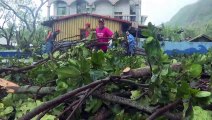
[
  {"x": 197, "y": 13},
  {"x": 195, "y": 19},
  {"x": 92, "y": 85}
]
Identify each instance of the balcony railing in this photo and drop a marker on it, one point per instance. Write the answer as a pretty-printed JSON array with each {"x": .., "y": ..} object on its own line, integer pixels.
[
  {"x": 122, "y": 17},
  {"x": 126, "y": 17}
]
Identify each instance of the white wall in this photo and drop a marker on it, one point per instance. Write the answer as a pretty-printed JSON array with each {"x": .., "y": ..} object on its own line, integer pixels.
[
  {"x": 103, "y": 8},
  {"x": 123, "y": 6},
  {"x": 73, "y": 8}
]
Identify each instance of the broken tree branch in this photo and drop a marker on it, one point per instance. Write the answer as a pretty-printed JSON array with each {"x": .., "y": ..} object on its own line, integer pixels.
[
  {"x": 145, "y": 71},
  {"x": 60, "y": 99},
  {"x": 18, "y": 70},
  {"x": 159, "y": 112},
  {"x": 83, "y": 99},
  {"x": 32, "y": 89},
  {"x": 123, "y": 101},
  {"x": 133, "y": 83},
  {"x": 68, "y": 108}
]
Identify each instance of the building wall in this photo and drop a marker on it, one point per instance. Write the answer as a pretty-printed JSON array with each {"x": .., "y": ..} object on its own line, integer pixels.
[
  {"x": 106, "y": 7},
  {"x": 103, "y": 8},
  {"x": 123, "y": 6},
  {"x": 72, "y": 26}
]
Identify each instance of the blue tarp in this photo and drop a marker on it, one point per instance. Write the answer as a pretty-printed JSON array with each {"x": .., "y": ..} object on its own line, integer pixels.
[
  {"x": 13, "y": 53},
  {"x": 173, "y": 48},
  {"x": 170, "y": 48}
]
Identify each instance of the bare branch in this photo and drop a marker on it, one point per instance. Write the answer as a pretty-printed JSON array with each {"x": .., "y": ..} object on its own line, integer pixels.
[
  {"x": 161, "y": 111},
  {"x": 83, "y": 99},
  {"x": 29, "y": 9},
  {"x": 60, "y": 99},
  {"x": 123, "y": 101},
  {"x": 32, "y": 90},
  {"x": 36, "y": 15},
  {"x": 17, "y": 70},
  {"x": 134, "y": 83},
  {"x": 69, "y": 108},
  {"x": 8, "y": 7}
]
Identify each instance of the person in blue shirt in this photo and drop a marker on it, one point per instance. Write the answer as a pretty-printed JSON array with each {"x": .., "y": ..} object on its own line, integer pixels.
[{"x": 131, "y": 43}]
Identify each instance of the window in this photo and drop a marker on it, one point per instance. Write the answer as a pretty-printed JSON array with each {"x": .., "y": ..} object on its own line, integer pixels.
[
  {"x": 61, "y": 11},
  {"x": 61, "y": 8},
  {"x": 118, "y": 15},
  {"x": 81, "y": 7},
  {"x": 132, "y": 9}
]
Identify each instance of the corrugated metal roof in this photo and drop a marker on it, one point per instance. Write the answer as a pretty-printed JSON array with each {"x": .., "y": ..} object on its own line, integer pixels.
[{"x": 201, "y": 36}]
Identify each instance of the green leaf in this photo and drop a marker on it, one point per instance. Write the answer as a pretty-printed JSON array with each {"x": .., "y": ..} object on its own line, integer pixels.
[
  {"x": 164, "y": 72},
  {"x": 195, "y": 70},
  {"x": 183, "y": 90},
  {"x": 202, "y": 94},
  {"x": 97, "y": 106},
  {"x": 154, "y": 78},
  {"x": 45, "y": 56},
  {"x": 73, "y": 62},
  {"x": 97, "y": 74},
  {"x": 97, "y": 59},
  {"x": 1, "y": 106},
  {"x": 56, "y": 54},
  {"x": 8, "y": 110},
  {"x": 93, "y": 105},
  {"x": 135, "y": 94},
  {"x": 200, "y": 114},
  {"x": 62, "y": 85},
  {"x": 174, "y": 61},
  {"x": 48, "y": 117},
  {"x": 120, "y": 116},
  {"x": 68, "y": 72},
  {"x": 84, "y": 66},
  {"x": 149, "y": 40}
]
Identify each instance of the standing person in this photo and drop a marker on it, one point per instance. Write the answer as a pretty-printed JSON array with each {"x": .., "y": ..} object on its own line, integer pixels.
[
  {"x": 103, "y": 34},
  {"x": 131, "y": 43},
  {"x": 87, "y": 29},
  {"x": 50, "y": 40}
]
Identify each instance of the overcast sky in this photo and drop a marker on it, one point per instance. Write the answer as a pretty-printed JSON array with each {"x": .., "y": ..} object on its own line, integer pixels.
[{"x": 160, "y": 11}]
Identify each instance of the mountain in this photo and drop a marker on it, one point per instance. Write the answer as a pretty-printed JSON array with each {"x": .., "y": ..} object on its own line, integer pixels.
[{"x": 197, "y": 13}]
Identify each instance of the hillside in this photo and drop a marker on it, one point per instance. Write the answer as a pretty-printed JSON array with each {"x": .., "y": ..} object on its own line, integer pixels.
[{"x": 197, "y": 13}]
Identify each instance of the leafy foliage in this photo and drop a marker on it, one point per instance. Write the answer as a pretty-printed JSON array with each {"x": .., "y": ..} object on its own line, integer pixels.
[{"x": 78, "y": 67}]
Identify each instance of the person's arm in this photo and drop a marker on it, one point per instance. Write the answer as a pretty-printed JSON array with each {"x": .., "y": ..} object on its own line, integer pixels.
[{"x": 48, "y": 36}]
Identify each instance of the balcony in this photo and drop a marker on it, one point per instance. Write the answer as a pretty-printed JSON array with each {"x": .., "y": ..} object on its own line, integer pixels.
[{"x": 126, "y": 17}]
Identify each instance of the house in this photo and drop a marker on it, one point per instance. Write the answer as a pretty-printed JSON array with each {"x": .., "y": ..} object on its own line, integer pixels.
[
  {"x": 73, "y": 25},
  {"x": 129, "y": 10},
  {"x": 201, "y": 38}
]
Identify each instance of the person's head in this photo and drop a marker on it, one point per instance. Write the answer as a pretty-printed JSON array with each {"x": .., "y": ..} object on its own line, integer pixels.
[
  {"x": 57, "y": 30},
  {"x": 87, "y": 25},
  {"x": 127, "y": 33},
  {"x": 101, "y": 23}
]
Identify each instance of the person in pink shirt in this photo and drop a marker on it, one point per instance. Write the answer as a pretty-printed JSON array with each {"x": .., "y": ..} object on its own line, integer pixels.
[{"x": 103, "y": 34}]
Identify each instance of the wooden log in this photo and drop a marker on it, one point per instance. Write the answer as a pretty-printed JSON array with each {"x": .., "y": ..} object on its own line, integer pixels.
[{"x": 145, "y": 71}]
